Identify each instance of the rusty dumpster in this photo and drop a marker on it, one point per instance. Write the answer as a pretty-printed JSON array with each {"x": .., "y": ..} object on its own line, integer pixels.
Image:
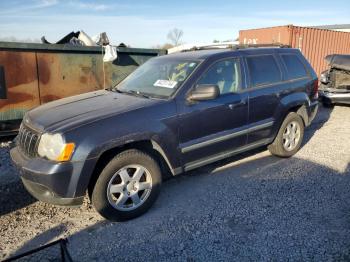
[{"x": 34, "y": 74}]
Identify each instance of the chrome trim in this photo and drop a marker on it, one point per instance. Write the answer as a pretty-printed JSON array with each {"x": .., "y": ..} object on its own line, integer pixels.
[
  {"x": 336, "y": 95},
  {"x": 177, "y": 171},
  {"x": 225, "y": 137},
  {"x": 202, "y": 162}
]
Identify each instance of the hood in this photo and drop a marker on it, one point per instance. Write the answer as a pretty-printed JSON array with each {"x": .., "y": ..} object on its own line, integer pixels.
[
  {"x": 339, "y": 61},
  {"x": 73, "y": 111}
]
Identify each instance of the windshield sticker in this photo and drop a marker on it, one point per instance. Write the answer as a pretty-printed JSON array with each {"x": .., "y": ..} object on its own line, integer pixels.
[
  {"x": 192, "y": 64},
  {"x": 180, "y": 66},
  {"x": 165, "y": 83}
]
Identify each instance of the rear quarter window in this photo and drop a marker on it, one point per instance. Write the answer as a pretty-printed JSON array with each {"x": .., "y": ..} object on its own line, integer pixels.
[
  {"x": 295, "y": 68},
  {"x": 263, "y": 70}
]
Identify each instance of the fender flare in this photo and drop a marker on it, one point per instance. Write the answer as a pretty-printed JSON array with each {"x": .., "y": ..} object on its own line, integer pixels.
[
  {"x": 295, "y": 100},
  {"x": 91, "y": 162},
  {"x": 139, "y": 139},
  {"x": 159, "y": 149}
]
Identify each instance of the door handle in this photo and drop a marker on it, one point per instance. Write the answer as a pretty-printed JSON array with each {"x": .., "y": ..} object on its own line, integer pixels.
[{"x": 240, "y": 103}]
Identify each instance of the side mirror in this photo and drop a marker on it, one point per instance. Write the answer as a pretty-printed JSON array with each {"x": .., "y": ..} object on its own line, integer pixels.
[
  {"x": 3, "y": 90},
  {"x": 204, "y": 92}
]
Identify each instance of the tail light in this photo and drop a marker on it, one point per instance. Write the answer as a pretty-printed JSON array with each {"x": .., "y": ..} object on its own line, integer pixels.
[{"x": 315, "y": 89}]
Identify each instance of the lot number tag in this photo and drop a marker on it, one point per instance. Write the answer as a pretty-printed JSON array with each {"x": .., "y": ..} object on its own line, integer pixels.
[{"x": 165, "y": 83}]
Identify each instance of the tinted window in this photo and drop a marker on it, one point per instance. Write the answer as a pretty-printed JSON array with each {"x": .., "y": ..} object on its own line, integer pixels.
[
  {"x": 225, "y": 74},
  {"x": 295, "y": 68},
  {"x": 263, "y": 70}
]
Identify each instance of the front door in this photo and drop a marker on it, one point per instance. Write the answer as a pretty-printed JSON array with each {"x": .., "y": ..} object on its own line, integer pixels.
[{"x": 208, "y": 129}]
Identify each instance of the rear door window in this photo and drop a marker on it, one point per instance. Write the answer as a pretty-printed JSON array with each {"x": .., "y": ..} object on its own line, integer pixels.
[
  {"x": 295, "y": 68},
  {"x": 263, "y": 70}
]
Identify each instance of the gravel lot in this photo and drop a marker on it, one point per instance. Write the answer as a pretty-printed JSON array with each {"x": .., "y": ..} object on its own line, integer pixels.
[{"x": 251, "y": 207}]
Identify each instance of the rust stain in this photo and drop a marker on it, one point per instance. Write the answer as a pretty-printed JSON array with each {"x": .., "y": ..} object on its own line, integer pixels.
[
  {"x": 16, "y": 98},
  {"x": 19, "y": 67},
  {"x": 83, "y": 79},
  {"x": 71, "y": 74},
  {"x": 44, "y": 69},
  {"x": 21, "y": 80},
  {"x": 86, "y": 69},
  {"x": 49, "y": 98}
]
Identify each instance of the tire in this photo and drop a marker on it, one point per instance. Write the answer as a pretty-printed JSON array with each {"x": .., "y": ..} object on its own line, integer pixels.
[
  {"x": 279, "y": 146},
  {"x": 127, "y": 187},
  {"x": 328, "y": 105}
]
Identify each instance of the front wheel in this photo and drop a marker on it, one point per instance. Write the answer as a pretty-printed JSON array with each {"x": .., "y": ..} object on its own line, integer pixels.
[
  {"x": 289, "y": 137},
  {"x": 127, "y": 187}
]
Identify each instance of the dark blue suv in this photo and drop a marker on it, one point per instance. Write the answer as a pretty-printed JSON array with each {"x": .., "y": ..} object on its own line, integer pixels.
[{"x": 173, "y": 114}]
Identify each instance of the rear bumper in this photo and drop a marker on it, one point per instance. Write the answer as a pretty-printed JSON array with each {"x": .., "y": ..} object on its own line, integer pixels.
[
  {"x": 48, "y": 181},
  {"x": 334, "y": 96}
]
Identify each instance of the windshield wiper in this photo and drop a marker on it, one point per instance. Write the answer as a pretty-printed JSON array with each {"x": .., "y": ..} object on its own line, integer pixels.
[
  {"x": 132, "y": 92},
  {"x": 138, "y": 93}
]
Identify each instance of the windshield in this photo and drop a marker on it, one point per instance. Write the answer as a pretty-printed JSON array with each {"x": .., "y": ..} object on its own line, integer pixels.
[{"x": 158, "y": 77}]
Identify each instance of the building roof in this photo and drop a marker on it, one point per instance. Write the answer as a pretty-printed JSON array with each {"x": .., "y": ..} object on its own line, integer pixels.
[{"x": 337, "y": 26}]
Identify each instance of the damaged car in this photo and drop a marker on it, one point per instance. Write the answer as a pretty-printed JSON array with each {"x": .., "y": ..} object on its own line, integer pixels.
[{"x": 335, "y": 82}]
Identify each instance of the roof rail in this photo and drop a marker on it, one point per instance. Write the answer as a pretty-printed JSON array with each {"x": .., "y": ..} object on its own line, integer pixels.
[
  {"x": 201, "y": 46},
  {"x": 277, "y": 45},
  {"x": 209, "y": 47},
  {"x": 225, "y": 45}
]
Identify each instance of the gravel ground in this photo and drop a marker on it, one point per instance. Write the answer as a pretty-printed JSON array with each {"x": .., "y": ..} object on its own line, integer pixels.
[{"x": 250, "y": 207}]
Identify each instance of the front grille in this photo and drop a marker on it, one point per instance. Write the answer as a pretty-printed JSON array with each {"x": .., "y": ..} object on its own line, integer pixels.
[{"x": 28, "y": 141}]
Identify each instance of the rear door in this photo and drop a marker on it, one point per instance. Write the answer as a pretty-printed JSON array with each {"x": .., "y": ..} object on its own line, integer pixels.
[
  {"x": 266, "y": 86},
  {"x": 210, "y": 128},
  {"x": 297, "y": 74}
]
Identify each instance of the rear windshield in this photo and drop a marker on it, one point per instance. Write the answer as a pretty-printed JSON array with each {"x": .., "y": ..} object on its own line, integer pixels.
[
  {"x": 263, "y": 70},
  {"x": 295, "y": 68}
]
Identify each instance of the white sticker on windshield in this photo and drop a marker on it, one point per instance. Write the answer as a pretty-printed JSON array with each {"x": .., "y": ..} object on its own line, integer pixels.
[{"x": 165, "y": 83}]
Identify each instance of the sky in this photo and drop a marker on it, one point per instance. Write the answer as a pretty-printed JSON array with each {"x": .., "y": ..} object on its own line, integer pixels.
[{"x": 141, "y": 23}]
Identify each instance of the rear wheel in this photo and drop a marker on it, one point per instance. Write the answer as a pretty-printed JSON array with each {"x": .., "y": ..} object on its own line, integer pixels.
[
  {"x": 127, "y": 187},
  {"x": 289, "y": 137},
  {"x": 328, "y": 104}
]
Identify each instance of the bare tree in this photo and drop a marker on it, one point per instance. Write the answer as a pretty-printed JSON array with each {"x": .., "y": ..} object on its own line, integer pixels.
[
  {"x": 175, "y": 36},
  {"x": 163, "y": 46}
]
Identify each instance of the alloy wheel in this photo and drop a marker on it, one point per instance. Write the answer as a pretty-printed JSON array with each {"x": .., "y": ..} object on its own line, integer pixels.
[{"x": 129, "y": 187}]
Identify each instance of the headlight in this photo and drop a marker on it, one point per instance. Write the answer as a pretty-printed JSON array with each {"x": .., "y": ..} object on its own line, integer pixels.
[
  {"x": 54, "y": 147},
  {"x": 324, "y": 77}
]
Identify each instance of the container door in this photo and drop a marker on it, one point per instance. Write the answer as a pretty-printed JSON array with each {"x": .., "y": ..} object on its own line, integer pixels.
[{"x": 21, "y": 84}]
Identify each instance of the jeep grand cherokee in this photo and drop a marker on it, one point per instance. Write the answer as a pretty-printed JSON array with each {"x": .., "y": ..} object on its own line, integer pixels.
[{"x": 173, "y": 114}]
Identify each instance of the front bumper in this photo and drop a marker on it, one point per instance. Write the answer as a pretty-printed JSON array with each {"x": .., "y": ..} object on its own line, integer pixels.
[
  {"x": 46, "y": 180},
  {"x": 333, "y": 96}
]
